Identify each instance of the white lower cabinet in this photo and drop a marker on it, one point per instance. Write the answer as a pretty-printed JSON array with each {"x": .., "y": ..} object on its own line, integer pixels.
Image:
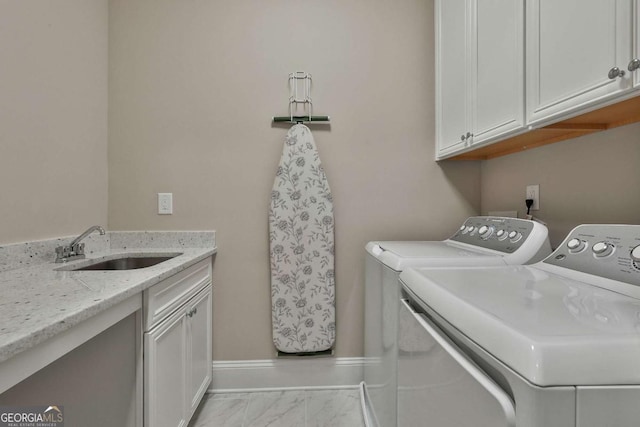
[
  {"x": 199, "y": 347},
  {"x": 178, "y": 347},
  {"x": 164, "y": 377}
]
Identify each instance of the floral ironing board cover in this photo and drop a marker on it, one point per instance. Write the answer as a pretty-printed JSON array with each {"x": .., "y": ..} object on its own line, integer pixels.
[{"x": 301, "y": 237}]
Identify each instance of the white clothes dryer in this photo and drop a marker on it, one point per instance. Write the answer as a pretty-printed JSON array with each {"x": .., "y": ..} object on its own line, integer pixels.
[
  {"x": 553, "y": 344},
  {"x": 479, "y": 242}
]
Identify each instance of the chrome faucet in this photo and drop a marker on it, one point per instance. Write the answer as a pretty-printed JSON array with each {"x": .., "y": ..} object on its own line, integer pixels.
[{"x": 75, "y": 250}]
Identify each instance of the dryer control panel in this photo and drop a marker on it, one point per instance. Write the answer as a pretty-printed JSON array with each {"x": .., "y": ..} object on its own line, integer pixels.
[
  {"x": 500, "y": 234},
  {"x": 610, "y": 251}
]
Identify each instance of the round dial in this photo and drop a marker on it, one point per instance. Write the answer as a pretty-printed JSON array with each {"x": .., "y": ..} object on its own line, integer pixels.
[
  {"x": 485, "y": 231},
  {"x": 513, "y": 234},
  {"x": 635, "y": 254},
  {"x": 462, "y": 227},
  {"x": 501, "y": 234},
  {"x": 470, "y": 229},
  {"x": 602, "y": 249},
  {"x": 575, "y": 245},
  {"x": 516, "y": 237}
]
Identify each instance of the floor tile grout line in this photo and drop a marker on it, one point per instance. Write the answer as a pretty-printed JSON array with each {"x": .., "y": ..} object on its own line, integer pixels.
[
  {"x": 246, "y": 410},
  {"x": 306, "y": 412}
]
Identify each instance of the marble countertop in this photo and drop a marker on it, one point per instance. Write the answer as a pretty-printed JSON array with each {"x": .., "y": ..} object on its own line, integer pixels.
[{"x": 41, "y": 299}]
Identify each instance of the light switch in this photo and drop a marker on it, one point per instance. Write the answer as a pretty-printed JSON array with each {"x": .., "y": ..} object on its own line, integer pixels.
[{"x": 165, "y": 203}]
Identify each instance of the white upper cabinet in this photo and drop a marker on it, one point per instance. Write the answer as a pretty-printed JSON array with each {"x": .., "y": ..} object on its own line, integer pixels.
[
  {"x": 634, "y": 64},
  {"x": 581, "y": 57},
  {"x": 578, "y": 53},
  {"x": 479, "y": 72},
  {"x": 452, "y": 65},
  {"x": 498, "y": 77}
]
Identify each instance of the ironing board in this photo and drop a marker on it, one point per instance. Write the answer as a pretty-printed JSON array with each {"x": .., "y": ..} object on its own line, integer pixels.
[{"x": 301, "y": 236}]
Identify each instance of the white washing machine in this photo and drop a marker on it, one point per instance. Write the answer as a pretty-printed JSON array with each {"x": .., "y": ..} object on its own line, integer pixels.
[
  {"x": 554, "y": 344},
  {"x": 480, "y": 241}
]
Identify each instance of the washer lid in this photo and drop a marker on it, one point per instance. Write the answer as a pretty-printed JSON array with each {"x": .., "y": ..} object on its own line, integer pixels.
[
  {"x": 402, "y": 255},
  {"x": 550, "y": 329}
]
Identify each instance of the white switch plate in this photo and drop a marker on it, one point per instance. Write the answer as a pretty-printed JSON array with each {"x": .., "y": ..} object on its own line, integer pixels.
[
  {"x": 165, "y": 203},
  {"x": 533, "y": 192}
]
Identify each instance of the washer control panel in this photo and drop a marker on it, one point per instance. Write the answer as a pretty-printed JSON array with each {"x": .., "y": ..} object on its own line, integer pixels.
[
  {"x": 611, "y": 251},
  {"x": 500, "y": 234}
]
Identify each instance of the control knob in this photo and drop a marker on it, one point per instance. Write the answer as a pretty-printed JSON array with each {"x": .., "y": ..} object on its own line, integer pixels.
[
  {"x": 635, "y": 254},
  {"x": 462, "y": 227},
  {"x": 576, "y": 245},
  {"x": 501, "y": 234},
  {"x": 470, "y": 229},
  {"x": 485, "y": 231},
  {"x": 602, "y": 249},
  {"x": 515, "y": 236}
]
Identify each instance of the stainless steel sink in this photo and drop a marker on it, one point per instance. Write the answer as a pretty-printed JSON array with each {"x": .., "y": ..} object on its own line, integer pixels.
[{"x": 126, "y": 263}]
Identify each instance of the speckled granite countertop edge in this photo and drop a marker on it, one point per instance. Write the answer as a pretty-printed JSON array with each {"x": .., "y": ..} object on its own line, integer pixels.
[{"x": 39, "y": 301}]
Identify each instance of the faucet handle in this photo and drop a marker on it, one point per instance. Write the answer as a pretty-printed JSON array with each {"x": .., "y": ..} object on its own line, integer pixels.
[
  {"x": 77, "y": 249},
  {"x": 62, "y": 253}
]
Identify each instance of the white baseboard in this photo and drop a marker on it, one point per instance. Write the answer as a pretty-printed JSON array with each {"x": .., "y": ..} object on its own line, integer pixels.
[{"x": 287, "y": 373}]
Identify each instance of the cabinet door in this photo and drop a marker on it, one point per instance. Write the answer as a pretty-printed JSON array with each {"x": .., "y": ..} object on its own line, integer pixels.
[
  {"x": 571, "y": 47},
  {"x": 452, "y": 86},
  {"x": 164, "y": 382},
  {"x": 498, "y": 68},
  {"x": 199, "y": 355},
  {"x": 636, "y": 47}
]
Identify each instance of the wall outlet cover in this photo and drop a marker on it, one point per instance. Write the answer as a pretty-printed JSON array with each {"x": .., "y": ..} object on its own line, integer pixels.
[
  {"x": 533, "y": 192},
  {"x": 165, "y": 203}
]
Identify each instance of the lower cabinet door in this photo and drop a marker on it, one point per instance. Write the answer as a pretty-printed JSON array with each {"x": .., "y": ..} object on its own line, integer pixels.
[
  {"x": 164, "y": 376},
  {"x": 440, "y": 386},
  {"x": 199, "y": 348}
]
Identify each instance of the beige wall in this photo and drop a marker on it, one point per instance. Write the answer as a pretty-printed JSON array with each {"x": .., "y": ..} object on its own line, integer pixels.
[
  {"x": 53, "y": 117},
  {"x": 592, "y": 179},
  {"x": 193, "y": 86}
]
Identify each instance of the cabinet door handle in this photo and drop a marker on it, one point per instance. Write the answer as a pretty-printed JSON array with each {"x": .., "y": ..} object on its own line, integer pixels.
[
  {"x": 634, "y": 65},
  {"x": 192, "y": 312},
  {"x": 465, "y": 137},
  {"x": 615, "y": 72}
]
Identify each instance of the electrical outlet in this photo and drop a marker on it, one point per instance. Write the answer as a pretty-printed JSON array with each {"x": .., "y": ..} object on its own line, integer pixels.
[
  {"x": 165, "y": 203},
  {"x": 533, "y": 192}
]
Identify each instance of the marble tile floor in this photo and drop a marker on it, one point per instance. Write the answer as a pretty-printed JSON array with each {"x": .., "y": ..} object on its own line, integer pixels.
[{"x": 299, "y": 408}]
